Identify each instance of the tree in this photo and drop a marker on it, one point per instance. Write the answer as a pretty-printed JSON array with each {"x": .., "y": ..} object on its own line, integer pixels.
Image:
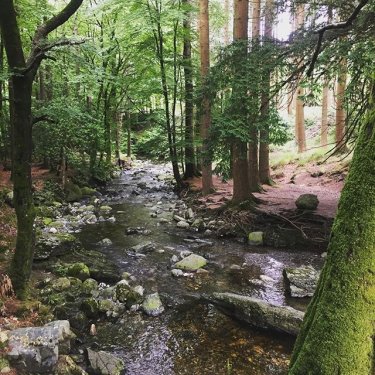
[
  {"x": 300, "y": 118},
  {"x": 23, "y": 73},
  {"x": 324, "y": 120},
  {"x": 205, "y": 120},
  {"x": 340, "y": 107},
  {"x": 264, "y": 158},
  {"x": 190, "y": 165},
  {"x": 254, "y": 132},
  {"x": 241, "y": 183},
  {"x": 337, "y": 335}
]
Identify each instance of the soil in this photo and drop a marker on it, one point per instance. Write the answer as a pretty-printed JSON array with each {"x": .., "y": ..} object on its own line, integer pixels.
[{"x": 290, "y": 181}]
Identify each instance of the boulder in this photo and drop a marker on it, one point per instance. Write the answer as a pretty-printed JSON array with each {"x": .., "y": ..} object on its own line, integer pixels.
[
  {"x": 79, "y": 270},
  {"x": 191, "y": 263},
  {"x": 123, "y": 290},
  {"x": 152, "y": 305},
  {"x": 60, "y": 284},
  {"x": 36, "y": 349},
  {"x": 105, "y": 242},
  {"x": 260, "y": 313},
  {"x": 183, "y": 224},
  {"x": 89, "y": 286},
  {"x": 105, "y": 363},
  {"x": 73, "y": 192},
  {"x": 90, "y": 308},
  {"x": 256, "y": 238},
  {"x": 301, "y": 281},
  {"x": 87, "y": 191},
  {"x": 54, "y": 245},
  {"x": 143, "y": 247},
  {"x": 66, "y": 366},
  {"x": 307, "y": 202}
]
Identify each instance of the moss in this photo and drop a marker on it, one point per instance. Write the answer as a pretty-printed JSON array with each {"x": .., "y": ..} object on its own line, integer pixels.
[
  {"x": 79, "y": 270},
  {"x": 73, "y": 193},
  {"x": 338, "y": 330},
  {"x": 87, "y": 191}
]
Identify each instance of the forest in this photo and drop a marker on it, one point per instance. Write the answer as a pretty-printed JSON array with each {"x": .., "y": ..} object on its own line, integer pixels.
[{"x": 187, "y": 187}]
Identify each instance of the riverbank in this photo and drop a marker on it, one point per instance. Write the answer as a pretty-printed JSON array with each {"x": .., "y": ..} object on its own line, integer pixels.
[{"x": 100, "y": 259}]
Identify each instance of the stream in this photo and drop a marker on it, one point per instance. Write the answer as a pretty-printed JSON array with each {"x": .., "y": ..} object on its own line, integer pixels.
[{"x": 191, "y": 336}]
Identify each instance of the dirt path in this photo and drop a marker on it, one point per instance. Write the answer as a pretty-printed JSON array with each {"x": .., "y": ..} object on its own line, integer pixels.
[{"x": 290, "y": 182}]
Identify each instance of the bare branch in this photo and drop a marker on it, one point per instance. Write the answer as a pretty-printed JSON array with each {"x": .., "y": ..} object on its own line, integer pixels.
[{"x": 333, "y": 26}]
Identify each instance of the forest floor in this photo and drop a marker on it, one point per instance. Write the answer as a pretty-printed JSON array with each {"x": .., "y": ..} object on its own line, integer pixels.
[{"x": 290, "y": 181}]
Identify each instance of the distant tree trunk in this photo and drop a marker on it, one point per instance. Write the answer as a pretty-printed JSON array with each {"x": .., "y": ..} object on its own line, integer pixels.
[
  {"x": 241, "y": 186},
  {"x": 190, "y": 166},
  {"x": 254, "y": 132},
  {"x": 337, "y": 335},
  {"x": 205, "y": 121},
  {"x": 300, "y": 114},
  {"x": 159, "y": 44},
  {"x": 340, "y": 107},
  {"x": 63, "y": 167},
  {"x": 23, "y": 74},
  {"x": 42, "y": 85},
  {"x": 324, "y": 125},
  {"x": 264, "y": 152},
  {"x": 129, "y": 136},
  {"x": 226, "y": 24},
  {"x": 119, "y": 121}
]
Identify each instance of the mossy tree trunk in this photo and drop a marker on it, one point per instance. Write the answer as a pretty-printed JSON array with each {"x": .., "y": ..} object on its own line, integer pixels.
[
  {"x": 23, "y": 73},
  {"x": 337, "y": 335}
]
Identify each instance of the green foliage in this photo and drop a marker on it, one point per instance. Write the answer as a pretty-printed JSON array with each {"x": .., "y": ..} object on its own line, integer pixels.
[{"x": 51, "y": 192}]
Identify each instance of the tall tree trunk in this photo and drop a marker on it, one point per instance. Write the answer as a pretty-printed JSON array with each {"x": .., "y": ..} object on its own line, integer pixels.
[
  {"x": 337, "y": 335},
  {"x": 205, "y": 121},
  {"x": 300, "y": 113},
  {"x": 120, "y": 117},
  {"x": 340, "y": 107},
  {"x": 264, "y": 152},
  {"x": 241, "y": 186},
  {"x": 190, "y": 166},
  {"x": 226, "y": 24},
  {"x": 324, "y": 124},
  {"x": 254, "y": 133},
  {"x": 21, "y": 118},
  {"x": 129, "y": 136}
]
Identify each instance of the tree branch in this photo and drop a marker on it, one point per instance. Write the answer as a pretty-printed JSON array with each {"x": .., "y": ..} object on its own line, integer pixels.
[
  {"x": 334, "y": 26},
  {"x": 45, "y": 118}
]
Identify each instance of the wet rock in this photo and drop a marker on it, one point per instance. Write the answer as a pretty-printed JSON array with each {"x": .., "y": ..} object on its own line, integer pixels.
[
  {"x": 198, "y": 224},
  {"x": 105, "y": 209},
  {"x": 105, "y": 363},
  {"x": 183, "y": 224},
  {"x": 190, "y": 214},
  {"x": 178, "y": 218},
  {"x": 135, "y": 296},
  {"x": 90, "y": 308},
  {"x": 152, "y": 305},
  {"x": 52, "y": 230},
  {"x": 60, "y": 284},
  {"x": 122, "y": 291},
  {"x": 154, "y": 215},
  {"x": 89, "y": 286},
  {"x": 307, "y": 202},
  {"x": 36, "y": 349},
  {"x": 125, "y": 275},
  {"x": 301, "y": 281},
  {"x": 174, "y": 259},
  {"x": 143, "y": 247},
  {"x": 66, "y": 366},
  {"x": 54, "y": 245},
  {"x": 185, "y": 253},
  {"x": 134, "y": 230},
  {"x": 191, "y": 263},
  {"x": 105, "y": 242},
  {"x": 255, "y": 238},
  {"x": 259, "y": 313},
  {"x": 79, "y": 270},
  {"x": 177, "y": 273},
  {"x": 324, "y": 255},
  {"x": 73, "y": 192}
]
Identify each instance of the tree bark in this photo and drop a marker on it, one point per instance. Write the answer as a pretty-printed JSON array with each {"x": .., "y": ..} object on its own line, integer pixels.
[
  {"x": 300, "y": 115},
  {"x": 324, "y": 125},
  {"x": 337, "y": 335},
  {"x": 340, "y": 107},
  {"x": 120, "y": 117},
  {"x": 241, "y": 183},
  {"x": 129, "y": 136},
  {"x": 23, "y": 73},
  {"x": 264, "y": 152},
  {"x": 226, "y": 24},
  {"x": 190, "y": 166},
  {"x": 254, "y": 181},
  {"x": 205, "y": 121}
]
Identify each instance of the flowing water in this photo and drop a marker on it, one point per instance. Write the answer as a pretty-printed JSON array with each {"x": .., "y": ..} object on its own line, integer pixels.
[{"x": 191, "y": 336}]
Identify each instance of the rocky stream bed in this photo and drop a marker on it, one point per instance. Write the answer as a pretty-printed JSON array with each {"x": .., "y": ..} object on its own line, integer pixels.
[{"x": 141, "y": 285}]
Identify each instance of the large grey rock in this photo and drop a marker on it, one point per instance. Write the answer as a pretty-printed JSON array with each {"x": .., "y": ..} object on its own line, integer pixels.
[
  {"x": 183, "y": 224},
  {"x": 105, "y": 363},
  {"x": 307, "y": 202},
  {"x": 143, "y": 247},
  {"x": 259, "y": 313},
  {"x": 152, "y": 305},
  {"x": 191, "y": 263},
  {"x": 36, "y": 349},
  {"x": 301, "y": 281}
]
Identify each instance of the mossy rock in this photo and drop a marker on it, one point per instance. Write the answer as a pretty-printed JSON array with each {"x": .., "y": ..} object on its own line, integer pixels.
[
  {"x": 79, "y": 270},
  {"x": 60, "y": 284},
  {"x": 90, "y": 308},
  {"x": 122, "y": 291},
  {"x": 105, "y": 209},
  {"x": 255, "y": 238},
  {"x": 47, "y": 221},
  {"x": 152, "y": 305},
  {"x": 4, "y": 364},
  {"x": 73, "y": 192},
  {"x": 307, "y": 202},
  {"x": 87, "y": 191},
  {"x": 89, "y": 286},
  {"x": 191, "y": 263}
]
